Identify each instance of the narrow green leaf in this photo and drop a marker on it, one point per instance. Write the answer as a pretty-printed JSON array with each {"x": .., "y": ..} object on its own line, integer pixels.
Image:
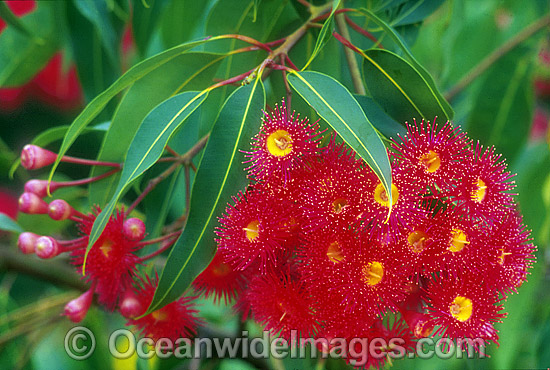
[
  {"x": 21, "y": 57},
  {"x": 190, "y": 71},
  {"x": 220, "y": 174},
  {"x": 325, "y": 34},
  {"x": 383, "y": 123},
  {"x": 8, "y": 224},
  {"x": 390, "y": 31},
  {"x": 398, "y": 88},
  {"x": 336, "y": 105},
  {"x": 145, "y": 20},
  {"x": 147, "y": 147},
  {"x": 98, "y": 14},
  {"x": 132, "y": 75}
]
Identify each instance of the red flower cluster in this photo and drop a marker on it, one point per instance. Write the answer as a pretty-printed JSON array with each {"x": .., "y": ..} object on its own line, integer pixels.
[
  {"x": 317, "y": 253},
  {"x": 112, "y": 262}
]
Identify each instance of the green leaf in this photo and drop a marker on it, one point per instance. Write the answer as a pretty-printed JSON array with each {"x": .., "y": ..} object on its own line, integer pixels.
[
  {"x": 97, "y": 13},
  {"x": 325, "y": 34},
  {"x": 147, "y": 147},
  {"x": 220, "y": 174},
  {"x": 8, "y": 224},
  {"x": 399, "y": 89},
  {"x": 336, "y": 105},
  {"x": 383, "y": 123},
  {"x": 21, "y": 57},
  {"x": 144, "y": 21},
  {"x": 503, "y": 108},
  {"x": 132, "y": 75},
  {"x": 415, "y": 11},
  {"x": 190, "y": 71},
  {"x": 11, "y": 20},
  {"x": 173, "y": 30},
  {"x": 445, "y": 106}
]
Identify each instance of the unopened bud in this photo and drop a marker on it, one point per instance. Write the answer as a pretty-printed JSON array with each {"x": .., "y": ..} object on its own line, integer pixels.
[
  {"x": 27, "y": 242},
  {"x": 46, "y": 247},
  {"x": 130, "y": 307},
  {"x": 32, "y": 204},
  {"x": 40, "y": 187},
  {"x": 34, "y": 157},
  {"x": 134, "y": 229},
  {"x": 59, "y": 210},
  {"x": 77, "y": 309}
]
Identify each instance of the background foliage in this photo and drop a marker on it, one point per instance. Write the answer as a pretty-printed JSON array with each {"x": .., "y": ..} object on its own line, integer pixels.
[{"x": 476, "y": 63}]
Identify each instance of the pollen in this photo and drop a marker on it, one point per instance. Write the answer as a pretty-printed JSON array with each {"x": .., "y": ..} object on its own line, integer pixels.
[
  {"x": 252, "y": 230},
  {"x": 381, "y": 196},
  {"x": 221, "y": 270},
  {"x": 373, "y": 273},
  {"x": 430, "y": 161},
  {"x": 279, "y": 143},
  {"x": 417, "y": 241},
  {"x": 479, "y": 193},
  {"x": 338, "y": 205},
  {"x": 503, "y": 255},
  {"x": 334, "y": 253},
  {"x": 461, "y": 308},
  {"x": 106, "y": 247},
  {"x": 159, "y": 315},
  {"x": 458, "y": 240}
]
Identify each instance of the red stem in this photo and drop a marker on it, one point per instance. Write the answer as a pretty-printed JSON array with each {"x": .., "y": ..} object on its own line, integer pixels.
[
  {"x": 88, "y": 180},
  {"x": 159, "y": 251},
  {"x": 159, "y": 239},
  {"x": 326, "y": 15},
  {"x": 346, "y": 42},
  {"x": 362, "y": 31},
  {"x": 89, "y": 162}
]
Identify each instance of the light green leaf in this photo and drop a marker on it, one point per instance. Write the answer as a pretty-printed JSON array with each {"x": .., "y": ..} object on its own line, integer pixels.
[
  {"x": 147, "y": 147},
  {"x": 398, "y": 88},
  {"x": 220, "y": 174},
  {"x": 336, "y": 105},
  {"x": 8, "y": 224},
  {"x": 325, "y": 34},
  {"x": 132, "y": 75}
]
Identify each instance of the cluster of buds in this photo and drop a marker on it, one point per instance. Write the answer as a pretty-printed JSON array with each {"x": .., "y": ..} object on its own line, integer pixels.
[
  {"x": 311, "y": 246},
  {"x": 112, "y": 262}
]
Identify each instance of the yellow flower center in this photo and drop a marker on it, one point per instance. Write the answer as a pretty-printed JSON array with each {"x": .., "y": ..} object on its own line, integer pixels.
[
  {"x": 373, "y": 273},
  {"x": 430, "y": 161},
  {"x": 503, "y": 255},
  {"x": 106, "y": 247},
  {"x": 338, "y": 205},
  {"x": 279, "y": 143},
  {"x": 382, "y": 198},
  {"x": 252, "y": 230},
  {"x": 479, "y": 194},
  {"x": 417, "y": 241},
  {"x": 334, "y": 253},
  {"x": 159, "y": 315},
  {"x": 458, "y": 240},
  {"x": 461, "y": 308}
]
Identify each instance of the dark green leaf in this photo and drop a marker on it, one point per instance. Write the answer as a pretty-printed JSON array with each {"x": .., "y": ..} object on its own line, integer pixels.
[
  {"x": 385, "y": 125},
  {"x": 336, "y": 105},
  {"x": 503, "y": 108},
  {"x": 220, "y": 175},
  {"x": 134, "y": 74},
  {"x": 191, "y": 71},
  {"x": 8, "y": 224},
  {"x": 21, "y": 56},
  {"x": 147, "y": 147},
  {"x": 416, "y": 65},
  {"x": 399, "y": 89},
  {"x": 415, "y": 11},
  {"x": 173, "y": 30},
  {"x": 144, "y": 21},
  {"x": 325, "y": 34}
]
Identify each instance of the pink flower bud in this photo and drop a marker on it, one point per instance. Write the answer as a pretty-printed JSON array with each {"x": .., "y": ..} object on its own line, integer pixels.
[
  {"x": 32, "y": 204},
  {"x": 26, "y": 242},
  {"x": 46, "y": 247},
  {"x": 77, "y": 309},
  {"x": 40, "y": 187},
  {"x": 34, "y": 157},
  {"x": 59, "y": 210},
  {"x": 134, "y": 229},
  {"x": 130, "y": 306}
]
